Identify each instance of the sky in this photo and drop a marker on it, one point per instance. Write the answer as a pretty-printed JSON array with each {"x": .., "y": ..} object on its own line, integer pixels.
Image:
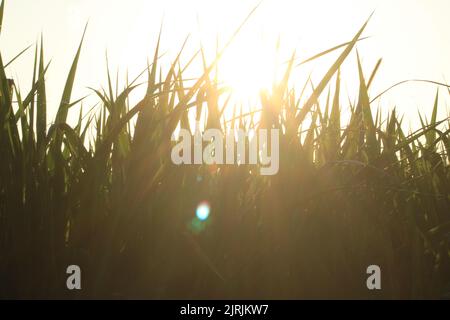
[{"x": 412, "y": 37}]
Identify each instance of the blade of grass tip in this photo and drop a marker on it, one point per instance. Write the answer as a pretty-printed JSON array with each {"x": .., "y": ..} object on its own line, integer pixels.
[
  {"x": 108, "y": 75},
  {"x": 324, "y": 53},
  {"x": 431, "y": 136},
  {"x": 67, "y": 93},
  {"x": 423, "y": 124},
  {"x": 86, "y": 127},
  {"x": 102, "y": 97},
  {"x": 41, "y": 111},
  {"x": 284, "y": 83},
  {"x": 21, "y": 114},
  {"x": 367, "y": 113},
  {"x": 17, "y": 56},
  {"x": 117, "y": 82},
  {"x": 374, "y": 72},
  {"x": 325, "y": 118},
  {"x": 32, "y": 110},
  {"x": 314, "y": 96},
  {"x": 167, "y": 84},
  {"x": 136, "y": 78},
  {"x": 33, "y": 84},
  {"x": 308, "y": 143},
  {"x": 194, "y": 56},
  {"x": 302, "y": 93},
  {"x": 335, "y": 116},
  {"x": 391, "y": 124},
  {"x": 7, "y": 119},
  {"x": 29, "y": 100},
  {"x": 2, "y": 9},
  {"x": 89, "y": 113},
  {"x": 378, "y": 118},
  {"x": 98, "y": 127},
  {"x": 80, "y": 119},
  {"x": 180, "y": 91},
  {"x": 152, "y": 73},
  {"x": 127, "y": 99},
  {"x": 77, "y": 102},
  {"x": 177, "y": 59}
]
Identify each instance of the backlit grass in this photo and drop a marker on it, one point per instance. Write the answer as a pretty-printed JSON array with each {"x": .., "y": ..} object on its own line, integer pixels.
[{"x": 104, "y": 194}]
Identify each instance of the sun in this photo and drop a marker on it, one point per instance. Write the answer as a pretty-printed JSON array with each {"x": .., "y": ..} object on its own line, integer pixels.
[{"x": 248, "y": 70}]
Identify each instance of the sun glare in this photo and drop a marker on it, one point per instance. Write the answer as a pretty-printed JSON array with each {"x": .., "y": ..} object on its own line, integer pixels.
[{"x": 248, "y": 70}]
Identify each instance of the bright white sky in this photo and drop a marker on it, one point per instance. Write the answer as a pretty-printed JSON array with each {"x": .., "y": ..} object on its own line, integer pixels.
[{"x": 413, "y": 37}]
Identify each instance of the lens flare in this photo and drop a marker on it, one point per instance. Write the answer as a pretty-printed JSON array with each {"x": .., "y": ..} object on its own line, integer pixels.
[{"x": 203, "y": 211}]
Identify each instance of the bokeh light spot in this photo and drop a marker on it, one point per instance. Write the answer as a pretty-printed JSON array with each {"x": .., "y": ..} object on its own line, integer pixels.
[{"x": 203, "y": 211}]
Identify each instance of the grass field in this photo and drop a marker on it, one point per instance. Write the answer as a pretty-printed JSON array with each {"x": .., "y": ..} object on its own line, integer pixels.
[{"x": 104, "y": 194}]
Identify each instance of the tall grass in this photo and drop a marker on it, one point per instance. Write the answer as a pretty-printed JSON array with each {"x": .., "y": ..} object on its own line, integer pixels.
[{"x": 348, "y": 195}]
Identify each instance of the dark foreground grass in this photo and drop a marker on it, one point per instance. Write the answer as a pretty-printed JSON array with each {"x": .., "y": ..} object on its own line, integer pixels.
[{"x": 347, "y": 196}]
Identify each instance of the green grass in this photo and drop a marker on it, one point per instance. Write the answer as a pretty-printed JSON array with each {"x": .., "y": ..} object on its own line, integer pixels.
[{"x": 348, "y": 195}]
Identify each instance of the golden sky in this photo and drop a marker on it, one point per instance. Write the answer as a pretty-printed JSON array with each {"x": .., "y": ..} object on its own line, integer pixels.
[{"x": 413, "y": 37}]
